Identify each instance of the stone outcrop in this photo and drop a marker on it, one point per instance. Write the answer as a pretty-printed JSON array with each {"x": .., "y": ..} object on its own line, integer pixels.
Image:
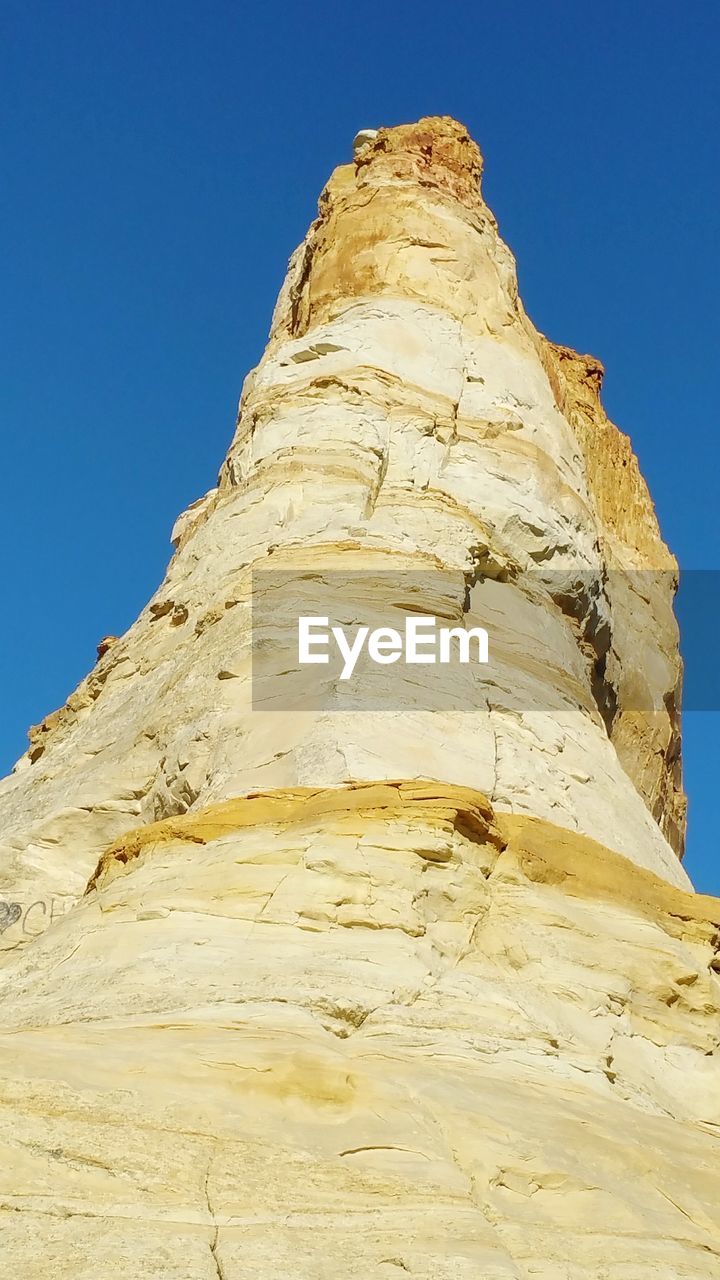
[{"x": 363, "y": 992}]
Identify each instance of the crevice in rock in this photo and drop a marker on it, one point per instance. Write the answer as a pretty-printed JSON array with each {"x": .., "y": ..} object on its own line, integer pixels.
[{"x": 213, "y": 1245}]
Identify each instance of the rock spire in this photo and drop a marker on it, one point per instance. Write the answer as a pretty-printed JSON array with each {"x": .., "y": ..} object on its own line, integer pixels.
[{"x": 372, "y": 989}]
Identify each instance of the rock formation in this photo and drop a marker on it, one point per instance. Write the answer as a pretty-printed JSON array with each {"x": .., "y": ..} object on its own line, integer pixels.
[{"x": 349, "y": 991}]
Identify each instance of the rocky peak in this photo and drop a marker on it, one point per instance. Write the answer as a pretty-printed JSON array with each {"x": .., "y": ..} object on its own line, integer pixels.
[{"x": 415, "y": 984}]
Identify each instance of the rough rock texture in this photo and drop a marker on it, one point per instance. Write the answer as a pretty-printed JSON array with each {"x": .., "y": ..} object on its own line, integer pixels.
[{"x": 343, "y": 993}]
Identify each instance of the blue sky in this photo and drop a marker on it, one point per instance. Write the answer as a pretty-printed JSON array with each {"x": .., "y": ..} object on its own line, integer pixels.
[{"x": 161, "y": 160}]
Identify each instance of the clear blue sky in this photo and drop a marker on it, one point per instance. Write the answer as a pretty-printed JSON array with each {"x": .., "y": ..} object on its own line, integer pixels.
[{"x": 160, "y": 160}]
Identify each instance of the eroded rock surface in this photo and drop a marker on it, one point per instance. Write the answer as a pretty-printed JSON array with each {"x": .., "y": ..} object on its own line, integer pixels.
[{"x": 358, "y": 993}]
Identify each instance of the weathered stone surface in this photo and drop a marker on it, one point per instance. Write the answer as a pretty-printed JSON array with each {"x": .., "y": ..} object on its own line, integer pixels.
[{"x": 354, "y": 993}]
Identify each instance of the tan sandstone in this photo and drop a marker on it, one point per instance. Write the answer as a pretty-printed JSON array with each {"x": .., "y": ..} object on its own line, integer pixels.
[{"x": 353, "y": 993}]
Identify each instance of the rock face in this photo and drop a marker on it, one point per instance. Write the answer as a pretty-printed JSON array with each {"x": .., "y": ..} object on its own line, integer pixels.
[{"x": 355, "y": 992}]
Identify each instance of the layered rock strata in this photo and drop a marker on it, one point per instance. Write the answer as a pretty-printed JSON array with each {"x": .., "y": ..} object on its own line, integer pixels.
[{"x": 340, "y": 992}]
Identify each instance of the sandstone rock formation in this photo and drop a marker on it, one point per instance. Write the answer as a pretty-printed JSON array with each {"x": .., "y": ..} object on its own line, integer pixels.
[{"x": 340, "y": 992}]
